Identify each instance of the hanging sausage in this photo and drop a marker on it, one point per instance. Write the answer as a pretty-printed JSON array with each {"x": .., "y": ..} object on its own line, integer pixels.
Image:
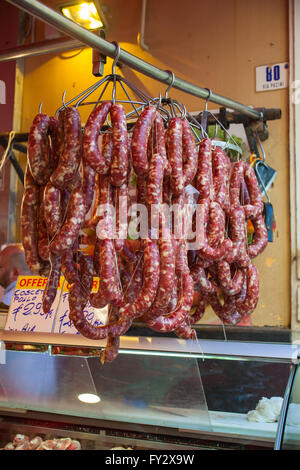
[{"x": 76, "y": 180}]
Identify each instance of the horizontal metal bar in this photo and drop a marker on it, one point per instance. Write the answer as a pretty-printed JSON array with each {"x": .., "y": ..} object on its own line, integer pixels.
[
  {"x": 231, "y": 350},
  {"x": 39, "y": 48},
  {"x": 53, "y": 18}
]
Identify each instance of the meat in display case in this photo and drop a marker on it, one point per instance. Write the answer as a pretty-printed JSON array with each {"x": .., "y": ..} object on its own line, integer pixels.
[{"x": 159, "y": 393}]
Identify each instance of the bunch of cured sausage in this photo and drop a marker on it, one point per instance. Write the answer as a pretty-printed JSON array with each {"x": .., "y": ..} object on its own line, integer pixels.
[{"x": 72, "y": 173}]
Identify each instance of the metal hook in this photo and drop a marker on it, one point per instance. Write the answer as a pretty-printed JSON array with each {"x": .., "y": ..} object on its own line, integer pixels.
[
  {"x": 117, "y": 55},
  {"x": 40, "y": 107},
  {"x": 184, "y": 111},
  {"x": 208, "y": 98},
  {"x": 260, "y": 144},
  {"x": 171, "y": 84},
  {"x": 181, "y": 108},
  {"x": 63, "y": 99},
  {"x": 159, "y": 99},
  {"x": 216, "y": 130}
]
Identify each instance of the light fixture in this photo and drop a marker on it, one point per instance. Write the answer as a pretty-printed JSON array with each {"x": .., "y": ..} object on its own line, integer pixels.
[
  {"x": 89, "y": 398},
  {"x": 87, "y": 14}
]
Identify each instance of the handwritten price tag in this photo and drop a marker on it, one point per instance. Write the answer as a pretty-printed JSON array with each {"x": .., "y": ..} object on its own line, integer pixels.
[
  {"x": 95, "y": 316},
  {"x": 25, "y": 311}
]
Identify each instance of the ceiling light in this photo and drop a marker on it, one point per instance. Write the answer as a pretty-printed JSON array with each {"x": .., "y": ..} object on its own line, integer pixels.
[
  {"x": 89, "y": 398},
  {"x": 85, "y": 13}
]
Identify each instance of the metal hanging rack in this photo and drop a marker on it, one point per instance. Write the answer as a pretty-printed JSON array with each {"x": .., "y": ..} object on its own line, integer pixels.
[
  {"x": 63, "y": 24},
  {"x": 230, "y": 112}
]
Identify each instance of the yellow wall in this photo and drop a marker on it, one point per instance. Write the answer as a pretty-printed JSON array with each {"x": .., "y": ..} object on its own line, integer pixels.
[{"x": 215, "y": 45}]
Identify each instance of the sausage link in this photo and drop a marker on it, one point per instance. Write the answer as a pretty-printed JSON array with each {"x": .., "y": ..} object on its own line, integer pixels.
[
  {"x": 248, "y": 304},
  {"x": 141, "y": 188},
  {"x": 185, "y": 331},
  {"x": 75, "y": 183},
  {"x": 189, "y": 152},
  {"x": 38, "y": 157},
  {"x": 203, "y": 178},
  {"x": 244, "y": 195},
  {"x": 216, "y": 225},
  {"x": 230, "y": 285},
  {"x": 29, "y": 219},
  {"x": 43, "y": 241},
  {"x": 227, "y": 312},
  {"x": 77, "y": 302},
  {"x": 126, "y": 283},
  {"x": 121, "y": 219},
  {"x": 159, "y": 143},
  {"x": 150, "y": 145},
  {"x": 136, "y": 271},
  {"x": 113, "y": 342},
  {"x": 175, "y": 155},
  {"x": 166, "y": 191},
  {"x": 256, "y": 206},
  {"x": 91, "y": 154},
  {"x": 119, "y": 163},
  {"x": 52, "y": 209},
  {"x": 200, "y": 279},
  {"x": 29, "y": 182},
  {"x": 147, "y": 294},
  {"x": 242, "y": 170},
  {"x": 154, "y": 189},
  {"x": 68, "y": 268},
  {"x": 70, "y": 157},
  {"x": 227, "y": 175},
  {"x": 96, "y": 256},
  {"x": 109, "y": 289},
  {"x": 167, "y": 280},
  {"x": 206, "y": 251},
  {"x": 236, "y": 179},
  {"x": 107, "y": 145},
  {"x": 50, "y": 290},
  {"x": 171, "y": 321},
  {"x": 109, "y": 273},
  {"x": 139, "y": 141},
  {"x": 94, "y": 219},
  {"x": 219, "y": 172},
  {"x": 155, "y": 180},
  {"x": 55, "y": 142},
  {"x": 70, "y": 229},
  {"x": 260, "y": 237},
  {"x": 196, "y": 316},
  {"x": 86, "y": 273},
  {"x": 237, "y": 248},
  {"x": 126, "y": 254},
  {"x": 105, "y": 210},
  {"x": 88, "y": 185}
]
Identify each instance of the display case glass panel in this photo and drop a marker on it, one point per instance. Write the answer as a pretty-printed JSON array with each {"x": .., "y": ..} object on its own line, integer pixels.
[{"x": 203, "y": 394}]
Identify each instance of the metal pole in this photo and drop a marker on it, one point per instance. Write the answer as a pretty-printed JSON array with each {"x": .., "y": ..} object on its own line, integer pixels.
[
  {"x": 38, "y": 48},
  {"x": 53, "y": 18}
]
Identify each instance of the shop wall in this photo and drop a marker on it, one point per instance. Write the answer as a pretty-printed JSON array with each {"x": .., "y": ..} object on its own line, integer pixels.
[
  {"x": 214, "y": 45},
  {"x": 9, "y": 28}
]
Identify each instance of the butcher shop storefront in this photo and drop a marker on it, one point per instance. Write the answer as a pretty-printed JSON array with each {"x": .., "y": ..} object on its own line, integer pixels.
[{"x": 149, "y": 237}]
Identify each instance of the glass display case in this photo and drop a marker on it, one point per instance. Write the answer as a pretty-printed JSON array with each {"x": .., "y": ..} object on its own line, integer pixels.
[{"x": 159, "y": 393}]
